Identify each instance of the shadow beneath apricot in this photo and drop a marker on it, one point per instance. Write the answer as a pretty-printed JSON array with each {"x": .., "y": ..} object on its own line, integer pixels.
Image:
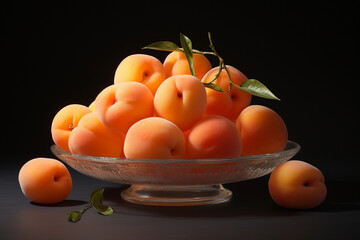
[{"x": 65, "y": 203}]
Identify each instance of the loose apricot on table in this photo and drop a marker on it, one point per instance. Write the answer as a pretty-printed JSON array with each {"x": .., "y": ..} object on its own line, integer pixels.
[
  {"x": 262, "y": 130},
  {"x": 297, "y": 184},
  {"x": 227, "y": 104},
  {"x": 154, "y": 138},
  {"x": 121, "y": 105},
  {"x": 214, "y": 136},
  {"x": 181, "y": 99},
  {"x": 64, "y": 122},
  {"x": 176, "y": 63},
  {"x": 45, "y": 181},
  {"x": 141, "y": 68},
  {"x": 91, "y": 137}
]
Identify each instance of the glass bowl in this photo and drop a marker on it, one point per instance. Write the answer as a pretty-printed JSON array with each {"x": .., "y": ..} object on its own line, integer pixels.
[{"x": 176, "y": 182}]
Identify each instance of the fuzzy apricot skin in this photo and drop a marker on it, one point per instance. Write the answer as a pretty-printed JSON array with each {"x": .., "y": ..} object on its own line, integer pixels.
[
  {"x": 64, "y": 122},
  {"x": 154, "y": 138},
  {"x": 214, "y": 137},
  {"x": 298, "y": 185},
  {"x": 121, "y": 105},
  {"x": 45, "y": 181},
  {"x": 141, "y": 68},
  {"x": 91, "y": 137},
  {"x": 262, "y": 130},
  {"x": 176, "y": 63},
  {"x": 228, "y": 103},
  {"x": 181, "y": 99}
]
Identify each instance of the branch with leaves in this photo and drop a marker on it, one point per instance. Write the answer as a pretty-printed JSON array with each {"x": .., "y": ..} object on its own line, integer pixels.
[
  {"x": 96, "y": 202},
  {"x": 251, "y": 86}
]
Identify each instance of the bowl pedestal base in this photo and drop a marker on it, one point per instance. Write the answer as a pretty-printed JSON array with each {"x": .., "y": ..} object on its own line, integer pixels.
[{"x": 164, "y": 195}]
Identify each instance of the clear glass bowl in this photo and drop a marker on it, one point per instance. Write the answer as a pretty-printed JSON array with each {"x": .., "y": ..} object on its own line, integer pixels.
[{"x": 176, "y": 182}]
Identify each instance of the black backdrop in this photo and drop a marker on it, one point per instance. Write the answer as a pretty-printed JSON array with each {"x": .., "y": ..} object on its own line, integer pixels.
[{"x": 54, "y": 55}]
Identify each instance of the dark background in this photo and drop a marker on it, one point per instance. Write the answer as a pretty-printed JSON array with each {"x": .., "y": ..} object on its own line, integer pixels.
[{"x": 306, "y": 53}]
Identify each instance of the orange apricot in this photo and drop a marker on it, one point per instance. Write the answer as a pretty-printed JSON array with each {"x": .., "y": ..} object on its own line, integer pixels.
[
  {"x": 64, "y": 122},
  {"x": 176, "y": 63},
  {"x": 141, "y": 68},
  {"x": 297, "y": 184},
  {"x": 229, "y": 103},
  {"x": 214, "y": 136},
  {"x": 262, "y": 130},
  {"x": 45, "y": 181},
  {"x": 181, "y": 99},
  {"x": 92, "y": 106},
  {"x": 93, "y": 138},
  {"x": 154, "y": 138},
  {"x": 121, "y": 105}
]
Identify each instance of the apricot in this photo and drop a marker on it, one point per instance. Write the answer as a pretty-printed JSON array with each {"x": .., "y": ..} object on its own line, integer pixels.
[
  {"x": 229, "y": 103},
  {"x": 214, "y": 136},
  {"x": 181, "y": 99},
  {"x": 93, "y": 138},
  {"x": 45, "y": 181},
  {"x": 154, "y": 138},
  {"x": 176, "y": 63},
  {"x": 141, "y": 68},
  {"x": 64, "y": 122},
  {"x": 121, "y": 105},
  {"x": 262, "y": 130},
  {"x": 297, "y": 184},
  {"x": 92, "y": 106}
]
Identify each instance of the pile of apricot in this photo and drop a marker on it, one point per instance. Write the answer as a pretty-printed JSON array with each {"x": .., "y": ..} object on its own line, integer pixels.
[{"x": 156, "y": 110}]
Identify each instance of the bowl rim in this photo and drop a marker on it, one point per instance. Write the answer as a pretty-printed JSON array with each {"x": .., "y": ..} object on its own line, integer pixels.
[{"x": 291, "y": 149}]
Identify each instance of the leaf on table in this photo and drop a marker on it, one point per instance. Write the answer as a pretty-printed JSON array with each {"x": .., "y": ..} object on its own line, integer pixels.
[{"x": 96, "y": 200}]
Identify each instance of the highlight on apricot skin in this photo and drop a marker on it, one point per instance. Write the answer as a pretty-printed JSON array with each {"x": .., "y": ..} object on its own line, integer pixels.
[
  {"x": 64, "y": 122},
  {"x": 298, "y": 185},
  {"x": 262, "y": 130},
  {"x": 227, "y": 104},
  {"x": 176, "y": 63},
  {"x": 154, "y": 138},
  {"x": 214, "y": 136},
  {"x": 121, "y": 105},
  {"x": 45, "y": 181},
  {"x": 181, "y": 99},
  {"x": 91, "y": 137},
  {"x": 141, "y": 68}
]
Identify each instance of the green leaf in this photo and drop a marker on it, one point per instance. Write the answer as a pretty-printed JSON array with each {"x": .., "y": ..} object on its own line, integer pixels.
[
  {"x": 186, "y": 44},
  {"x": 256, "y": 88},
  {"x": 96, "y": 200},
  {"x": 213, "y": 86},
  {"x": 162, "y": 46},
  {"x": 74, "y": 216}
]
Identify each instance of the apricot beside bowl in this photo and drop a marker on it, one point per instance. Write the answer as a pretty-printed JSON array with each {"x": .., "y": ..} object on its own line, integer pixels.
[{"x": 176, "y": 182}]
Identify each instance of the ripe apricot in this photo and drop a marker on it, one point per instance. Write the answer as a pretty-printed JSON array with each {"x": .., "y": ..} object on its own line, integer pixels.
[
  {"x": 154, "y": 138},
  {"x": 297, "y": 184},
  {"x": 141, "y": 68},
  {"x": 64, "y": 122},
  {"x": 45, "y": 180},
  {"x": 176, "y": 63},
  {"x": 121, "y": 105},
  {"x": 227, "y": 104},
  {"x": 262, "y": 130},
  {"x": 92, "y": 106},
  {"x": 93, "y": 138},
  {"x": 181, "y": 99},
  {"x": 214, "y": 136}
]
